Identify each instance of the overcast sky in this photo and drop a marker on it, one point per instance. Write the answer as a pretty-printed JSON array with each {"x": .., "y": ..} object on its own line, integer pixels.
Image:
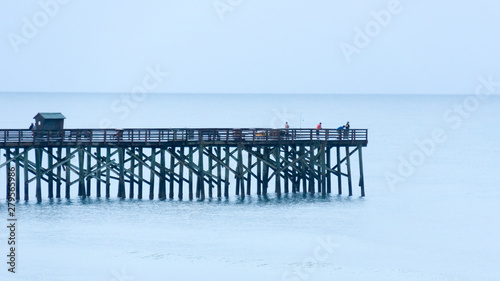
[{"x": 243, "y": 46}]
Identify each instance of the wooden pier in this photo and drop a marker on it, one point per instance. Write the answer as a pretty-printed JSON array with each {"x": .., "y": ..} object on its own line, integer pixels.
[{"x": 181, "y": 163}]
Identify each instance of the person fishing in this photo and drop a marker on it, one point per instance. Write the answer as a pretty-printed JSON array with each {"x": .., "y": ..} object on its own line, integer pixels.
[
  {"x": 317, "y": 129},
  {"x": 340, "y": 130},
  {"x": 287, "y": 127}
]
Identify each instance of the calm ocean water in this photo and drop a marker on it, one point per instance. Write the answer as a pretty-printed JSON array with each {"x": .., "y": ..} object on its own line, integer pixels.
[{"x": 430, "y": 212}]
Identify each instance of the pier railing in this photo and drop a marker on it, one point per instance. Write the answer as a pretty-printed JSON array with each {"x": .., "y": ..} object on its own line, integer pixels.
[{"x": 165, "y": 136}]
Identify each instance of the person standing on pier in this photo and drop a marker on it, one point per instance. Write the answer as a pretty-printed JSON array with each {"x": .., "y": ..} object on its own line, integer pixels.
[
  {"x": 32, "y": 128},
  {"x": 317, "y": 129},
  {"x": 346, "y": 133},
  {"x": 286, "y": 130}
]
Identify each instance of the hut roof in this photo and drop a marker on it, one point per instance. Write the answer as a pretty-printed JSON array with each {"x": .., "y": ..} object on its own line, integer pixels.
[{"x": 46, "y": 115}]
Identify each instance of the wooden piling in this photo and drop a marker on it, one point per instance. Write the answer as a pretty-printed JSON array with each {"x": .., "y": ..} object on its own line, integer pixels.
[
  {"x": 67, "y": 193},
  {"x": 89, "y": 169},
  {"x": 191, "y": 183},
  {"x": 140, "y": 167},
  {"x": 81, "y": 173},
  {"x": 181, "y": 174},
  {"x": 265, "y": 173},
  {"x": 18, "y": 177},
  {"x": 132, "y": 174},
  {"x": 303, "y": 168},
  {"x": 311, "y": 169},
  {"x": 210, "y": 180},
  {"x": 237, "y": 176},
  {"x": 328, "y": 173},
  {"x": 259, "y": 174},
  {"x": 121, "y": 165},
  {"x": 26, "y": 175},
  {"x": 349, "y": 180},
  {"x": 249, "y": 172},
  {"x": 226, "y": 170},
  {"x": 50, "y": 174},
  {"x": 7, "y": 172},
  {"x": 219, "y": 172},
  {"x": 293, "y": 178},
  {"x": 240, "y": 185},
  {"x": 38, "y": 166},
  {"x": 361, "y": 176},
  {"x": 323, "y": 170},
  {"x": 162, "y": 188},
  {"x": 339, "y": 172},
  {"x": 98, "y": 174},
  {"x": 152, "y": 175},
  {"x": 172, "y": 175},
  {"x": 277, "y": 171},
  {"x": 200, "y": 188},
  {"x": 286, "y": 171},
  {"x": 108, "y": 172},
  {"x": 59, "y": 171}
]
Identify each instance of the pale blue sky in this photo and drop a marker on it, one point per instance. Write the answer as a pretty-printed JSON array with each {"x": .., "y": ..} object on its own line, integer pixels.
[{"x": 260, "y": 46}]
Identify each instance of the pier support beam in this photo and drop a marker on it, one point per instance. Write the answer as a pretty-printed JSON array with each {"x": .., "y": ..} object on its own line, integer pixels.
[
  {"x": 219, "y": 172},
  {"x": 265, "y": 173},
  {"x": 152, "y": 175},
  {"x": 50, "y": 174},
  {"x": 162, "y": 188},
  {"x": 361, "y": 177},
  {"x": 18, "y": 176},
  {"x": 226, "y": 170},
  {"x": 7, "y": 171},
  {"x": 277, "y": 171},
  {"x": 59, "y": 170},
  {"x": 26, "y": 175},
  {"x": 98, "y": 174},
  {"x": 121, "y": 167},
  {"x": 200, "y": 187},
  {"x": 81, "y": 173},
  {"x": 172, "y": 175},
  {"x": 311, "y": 169},
  {"x": 132, "y": 175},
  {"x": 210, "y": 169},
  {"x": 259, "y": 174},
  {"x": 329, "y": 174},
  {"x": 67, "y": 193},
  {"x": 108, "y": 172},
  {"x": 89, "y": 168},
  {"x": 349, "y": 180},
  {"x": 181, "y": 175},
  {"x": 286, "y": 171},
  {"x": 140, "y": 183},
  {"x": 249, "y": 172},
  {"x": 38, "y": 164},
  {"x": 339, "y": 172},
  {"x": 191, "y": 181},
  {"x": 323, "y": 170}
]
